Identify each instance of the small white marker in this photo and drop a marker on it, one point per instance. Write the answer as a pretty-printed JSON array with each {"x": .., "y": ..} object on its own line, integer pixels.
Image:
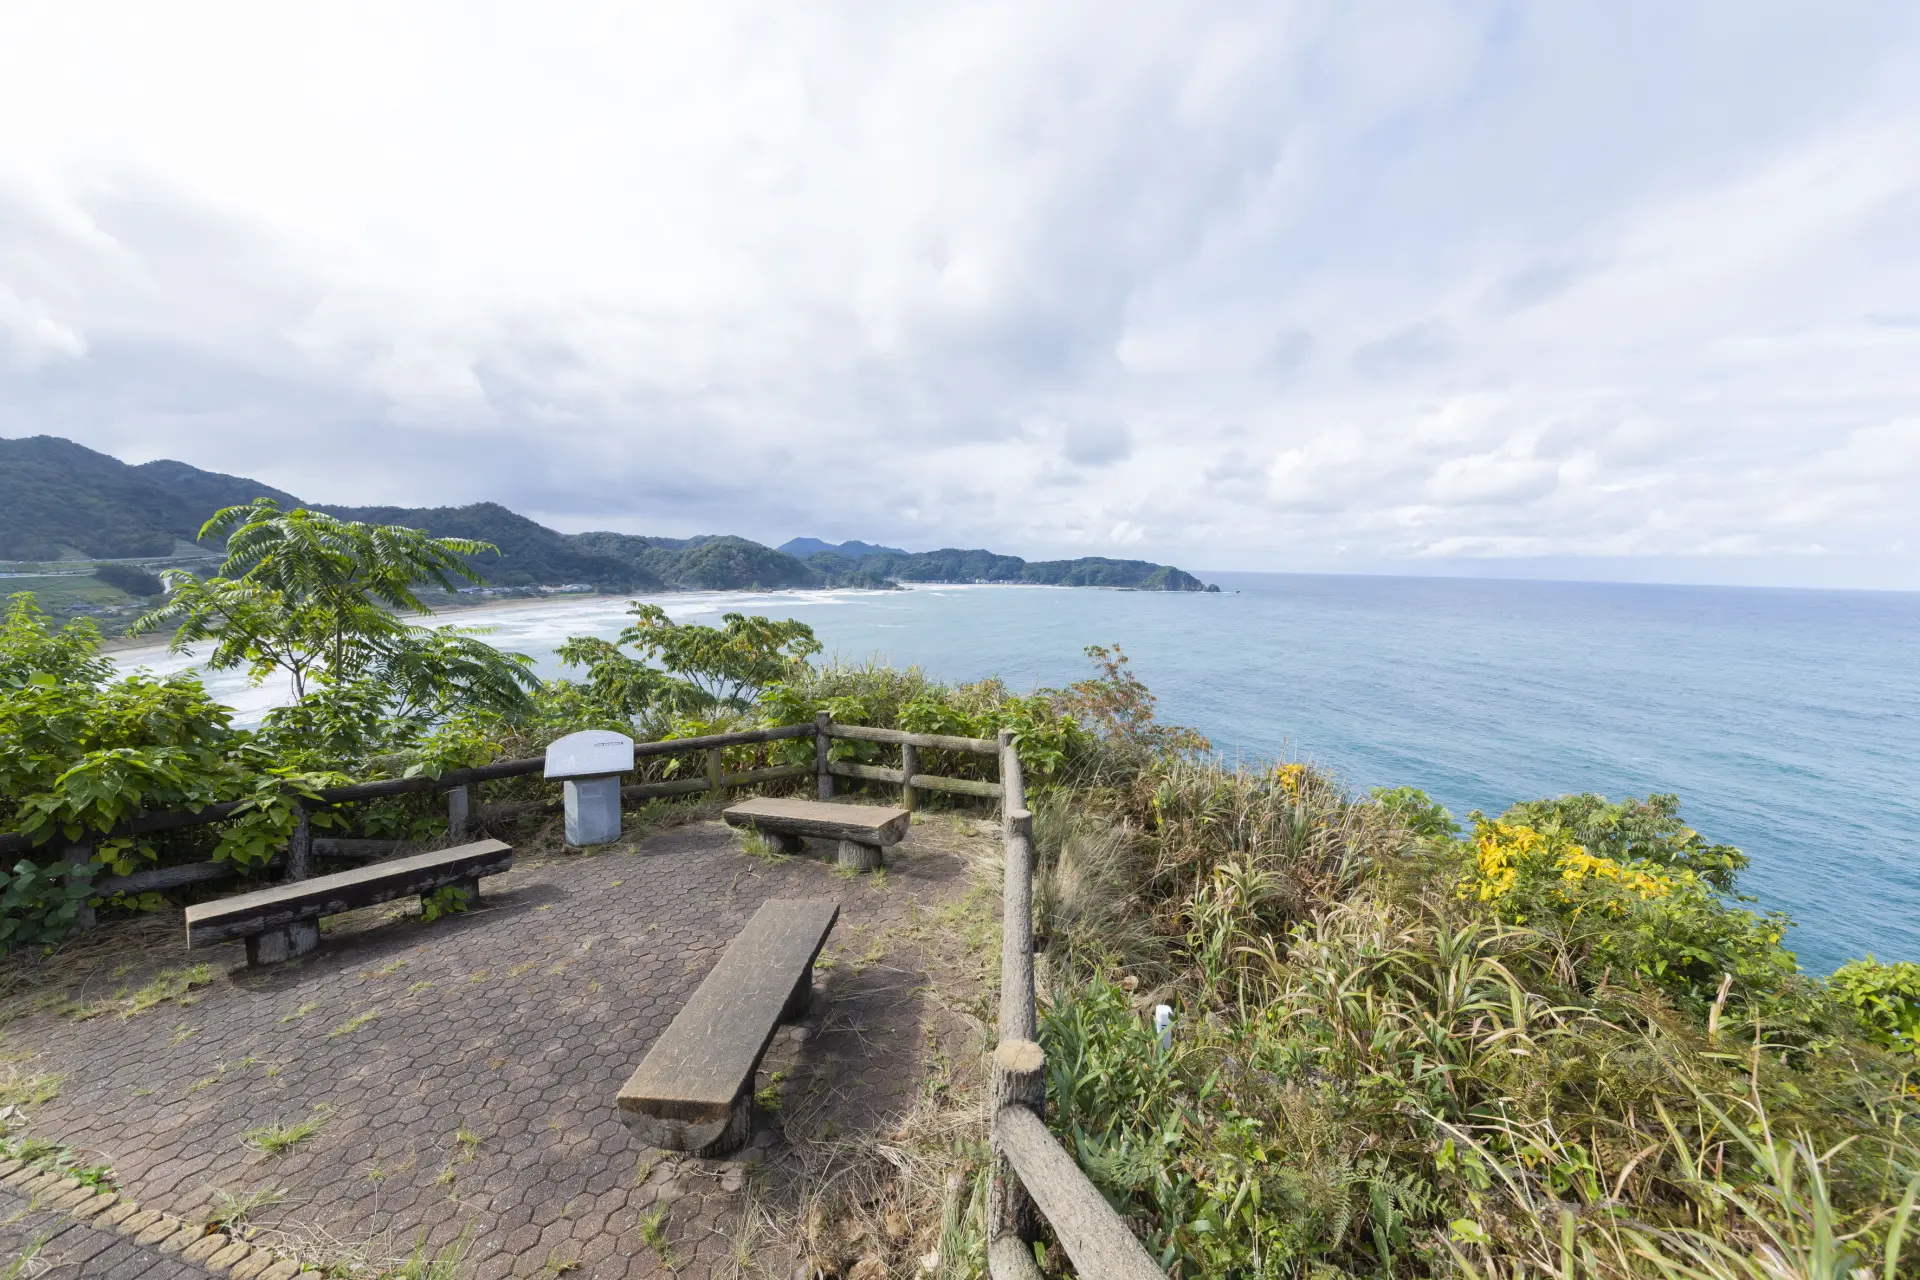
[{"x": 1163, "y": 1024}]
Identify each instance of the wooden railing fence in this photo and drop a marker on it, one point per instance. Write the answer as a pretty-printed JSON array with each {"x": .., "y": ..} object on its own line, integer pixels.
[
  {"x": 465, "y": 812},
  {"x": 1031, "y": 1170}
]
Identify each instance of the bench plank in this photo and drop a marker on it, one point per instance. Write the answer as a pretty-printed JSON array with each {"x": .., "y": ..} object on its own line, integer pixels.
[
  {"x": 694, "y": 1089},
  {"x": 867, "y": 824},
  {"x": 247, "y": 914}
]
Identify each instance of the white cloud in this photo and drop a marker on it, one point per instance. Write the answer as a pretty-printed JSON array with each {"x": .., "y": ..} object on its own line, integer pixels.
[{"x": 1240, "y": 286}]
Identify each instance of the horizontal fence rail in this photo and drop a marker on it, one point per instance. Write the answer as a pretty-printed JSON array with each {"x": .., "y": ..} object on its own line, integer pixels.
[
  {"x": 464, "y": 811},
  {"x": 1031, "y": 1170}
]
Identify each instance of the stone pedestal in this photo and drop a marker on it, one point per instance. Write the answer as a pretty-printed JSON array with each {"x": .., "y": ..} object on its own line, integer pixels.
[
  {"x": 593, "y": 809},
  {"x": 590, "y": 763}
]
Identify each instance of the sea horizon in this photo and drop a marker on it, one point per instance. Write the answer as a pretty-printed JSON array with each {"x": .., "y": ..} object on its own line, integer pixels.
[{"x": 1785, "y": 718}]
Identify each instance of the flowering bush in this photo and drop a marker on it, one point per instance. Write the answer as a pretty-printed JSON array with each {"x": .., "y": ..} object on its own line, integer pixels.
[
  {"x": 1506, "y": 854},
  {"x": 1636, "y": 893}
]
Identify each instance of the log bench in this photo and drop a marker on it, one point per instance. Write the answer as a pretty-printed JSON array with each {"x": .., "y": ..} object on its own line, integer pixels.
[
  {"x": 863, "y": 830},
  {"x": 284, "y": 921},
  {"x": 694, "y": 1089}
]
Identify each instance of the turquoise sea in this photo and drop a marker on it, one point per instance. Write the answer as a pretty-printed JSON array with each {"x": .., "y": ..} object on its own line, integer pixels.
[{"x": 1788, "y": 721}]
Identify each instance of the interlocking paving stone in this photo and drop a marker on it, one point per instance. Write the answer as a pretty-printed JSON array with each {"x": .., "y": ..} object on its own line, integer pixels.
[
  {"x": 63, "y": 1248},
  {"x": 516, "y": 1022}
]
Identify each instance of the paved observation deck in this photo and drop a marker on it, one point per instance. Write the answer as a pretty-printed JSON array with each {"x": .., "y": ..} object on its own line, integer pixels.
[{"x": 462, "y": 1073}]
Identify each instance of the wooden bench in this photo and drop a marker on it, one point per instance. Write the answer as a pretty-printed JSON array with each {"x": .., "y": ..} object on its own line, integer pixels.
[
  {"x": 694, "y": 1089},
  {"x": 863, "y": 830},
  {"x": 284, "y": 921}
]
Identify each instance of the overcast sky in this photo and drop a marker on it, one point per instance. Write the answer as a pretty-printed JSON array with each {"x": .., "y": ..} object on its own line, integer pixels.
[{"x": 1554, "y": 289}]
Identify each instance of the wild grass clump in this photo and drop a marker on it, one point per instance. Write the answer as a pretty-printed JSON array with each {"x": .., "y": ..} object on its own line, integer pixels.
[
  {"x": 170, "y": 984},
  {"x": 232, "y": 1212},
  {"x": 1555, "y": 1047},
  {"x": 22, "y": 1089},
  {"x": 278, "y": 1138}
]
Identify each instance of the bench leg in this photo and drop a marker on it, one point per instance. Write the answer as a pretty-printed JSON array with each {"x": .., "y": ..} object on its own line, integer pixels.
[
  {"x": 276, "y": 945},
  {"x": 855, "y": 856},
  {"x": 781, "y": 842},
  {"x": 706, "y": 1139}
]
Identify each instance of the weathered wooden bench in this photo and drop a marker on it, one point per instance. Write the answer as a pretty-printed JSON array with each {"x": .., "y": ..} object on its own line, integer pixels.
[
  {"x": 863, "y": 830},
  {"x": 284, "y": 921},
  {"x": 694, "y": 1089}
]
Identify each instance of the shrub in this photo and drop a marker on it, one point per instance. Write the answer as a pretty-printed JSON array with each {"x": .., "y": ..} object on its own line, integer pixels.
[
  {"x": 1884, "y": 1000},
  {"x": 1375, "y": 1073}
]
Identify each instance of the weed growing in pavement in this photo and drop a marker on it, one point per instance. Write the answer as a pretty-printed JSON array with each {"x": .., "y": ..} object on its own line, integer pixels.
[
  {"x": 277, "y": 1139},
  {"x": 755, "y": 845},
  {"x": 354, "y": 1023},
  {"x": 21, "y": 1089},
  {"x": 232, "y": 1212},
  {"x": 60, "y": 1158},
  {"x": 169, "y": 984},
  {"x": 653, "y": 1234}
]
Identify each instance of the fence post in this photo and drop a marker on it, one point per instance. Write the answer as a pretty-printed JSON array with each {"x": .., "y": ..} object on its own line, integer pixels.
[
  {"x": 822, "y": 721},
  {"x": 1019, "y": 1080},
  {"x": 713, "y": 771},
  {"x": 460, "y": 812},
  {"x": 300, "y": 844},
  {"x": 1018, "y": 1018},
  {"x": 1013, "y": 781},
  {"x": 909, "y": 765},
  {"x": 1019, "y": 1070},
  {"x": 78, "y": 857}
]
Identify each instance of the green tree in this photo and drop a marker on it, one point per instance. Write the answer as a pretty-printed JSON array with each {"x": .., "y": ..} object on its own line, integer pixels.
[
  {"x": 81, "y": 751},
  {"x": 716, "y": 667},
  {"x": 316, "y": 597}
]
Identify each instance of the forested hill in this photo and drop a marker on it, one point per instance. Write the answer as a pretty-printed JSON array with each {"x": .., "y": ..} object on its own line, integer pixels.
[
  {"x": 58, "y": 498},
  {"x": 954, "y": 565}
]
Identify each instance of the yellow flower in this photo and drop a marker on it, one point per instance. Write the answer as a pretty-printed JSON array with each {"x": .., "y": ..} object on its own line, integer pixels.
[
  {"x": 1498, "y": 851},
  {"x": 1576, "y": 864}
]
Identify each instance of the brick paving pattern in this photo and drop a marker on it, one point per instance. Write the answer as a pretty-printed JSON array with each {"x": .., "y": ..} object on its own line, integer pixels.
[
  {"x": 463, "y": 1072},
  {"x": 49, "y": 1245}
]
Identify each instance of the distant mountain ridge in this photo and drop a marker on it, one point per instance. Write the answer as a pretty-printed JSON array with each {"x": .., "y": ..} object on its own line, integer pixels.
[
  {"x": 58, "y": 498},
  {"x": 803, "y": 548}
]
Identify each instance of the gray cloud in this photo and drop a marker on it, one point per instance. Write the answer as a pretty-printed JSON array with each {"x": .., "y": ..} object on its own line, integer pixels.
[
  {"x": 1417, "y": 346},
  {"x": 1545, "y": 284},
  {"x": 1089, "y": 444}
]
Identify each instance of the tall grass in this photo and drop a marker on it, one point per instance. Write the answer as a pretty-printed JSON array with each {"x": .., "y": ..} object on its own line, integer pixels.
[{"x": 1373, "y": 1074}]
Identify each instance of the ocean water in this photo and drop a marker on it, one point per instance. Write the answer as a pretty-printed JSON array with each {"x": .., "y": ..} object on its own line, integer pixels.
[{"x": 1787, "y": 721}]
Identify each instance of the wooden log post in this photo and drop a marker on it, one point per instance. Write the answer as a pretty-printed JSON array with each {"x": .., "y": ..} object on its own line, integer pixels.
[
  {"x": 715, "y": 776},
  {"x": 1013, "y": 782},
  {"x": 79, "y": 861},
  {"x": 1018, "y": 1017},
  {"x": 909, "y": 765},
  {"x": 1020, "y": 1081},
  {"x": 300, "y": 844},
  {"x": 1019, "y": 1073},
  {"x": 462, "y": 809},
  {"x": 1011, "y": 1258},
  {"x": 822, "y": 746}
]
